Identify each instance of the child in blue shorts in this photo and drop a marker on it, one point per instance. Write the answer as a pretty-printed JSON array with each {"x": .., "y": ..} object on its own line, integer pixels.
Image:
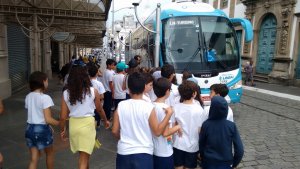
[{"x": 38, "y": 131}]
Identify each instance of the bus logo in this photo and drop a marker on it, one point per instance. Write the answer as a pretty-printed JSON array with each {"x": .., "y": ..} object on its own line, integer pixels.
[{"x": 225, "y": 78}]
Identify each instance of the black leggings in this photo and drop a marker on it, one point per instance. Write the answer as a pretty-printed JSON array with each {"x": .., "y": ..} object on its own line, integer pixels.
[{"x": 107, "y": 105}]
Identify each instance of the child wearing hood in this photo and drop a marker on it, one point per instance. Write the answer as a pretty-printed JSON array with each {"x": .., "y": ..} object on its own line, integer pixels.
[{"x": 217, "y": 137}]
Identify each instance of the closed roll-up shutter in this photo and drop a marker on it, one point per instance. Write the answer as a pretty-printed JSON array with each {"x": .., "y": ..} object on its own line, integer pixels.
[{"x": 18, "y": 56}]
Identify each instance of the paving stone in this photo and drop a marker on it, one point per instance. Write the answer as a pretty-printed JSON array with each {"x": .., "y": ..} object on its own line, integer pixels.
[{"x": 249, "y": 163}]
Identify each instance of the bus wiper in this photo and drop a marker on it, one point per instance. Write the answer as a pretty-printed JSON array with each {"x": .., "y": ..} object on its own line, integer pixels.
[
  {"x": 193, "y": 57},
  {"x": 205, "y": 47}
]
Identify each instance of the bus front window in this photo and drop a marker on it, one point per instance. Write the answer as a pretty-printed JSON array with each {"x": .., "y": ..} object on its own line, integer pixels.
[
  {"x": 200, "y": 44},
  {"x": 220, "y": 42},
  {"x": 181, "y": 42}
]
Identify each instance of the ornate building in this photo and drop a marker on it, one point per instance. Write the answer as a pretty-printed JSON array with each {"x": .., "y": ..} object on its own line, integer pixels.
[
  {"x": 275, "y": 47},
  {"x": 43, "y": 35}
]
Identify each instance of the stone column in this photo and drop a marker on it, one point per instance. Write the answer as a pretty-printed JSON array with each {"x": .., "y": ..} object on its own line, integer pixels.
[
  {"x": 232, "y": 8},
  {"x": 71, "y": 51},
  {"x": 36, "y": 46},
  {"x": 47, "y": 57},
  {"x": 61, "y": 54},
  {"x": 5, "y": 82}
]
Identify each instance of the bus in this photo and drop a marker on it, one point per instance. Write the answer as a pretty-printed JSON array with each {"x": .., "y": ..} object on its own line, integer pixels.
[{"x": 197, "y": 38}]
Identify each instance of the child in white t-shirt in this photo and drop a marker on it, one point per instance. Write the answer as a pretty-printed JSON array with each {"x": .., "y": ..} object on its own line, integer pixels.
[
  {"x": 38, "y": 131},
  {"x": 134, "y": 123},
  {"x": 163, "y": 149},
  {"x": 108, "y": 85},
  {"x": 118, "y": 79},
  {"x": 189, "y": 115},
  {"x": 168, "y": 71},
  {"x": 93, "y": 73},
  {"x": 219, "y": 90},
  {"x": 148, "y": 87}
]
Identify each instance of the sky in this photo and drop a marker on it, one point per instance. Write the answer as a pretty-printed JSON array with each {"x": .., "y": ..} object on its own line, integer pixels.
[{"x": 145, "y": 8}]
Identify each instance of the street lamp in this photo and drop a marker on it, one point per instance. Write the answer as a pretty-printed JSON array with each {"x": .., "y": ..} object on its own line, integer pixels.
[
  {"x": 113, "y": 18},
  {"x": 112, "y": 36},
  {"x": 118, "y": 30}
]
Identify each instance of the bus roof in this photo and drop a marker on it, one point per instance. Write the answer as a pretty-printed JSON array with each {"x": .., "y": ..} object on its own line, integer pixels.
[{"x": 175, "y": 9}]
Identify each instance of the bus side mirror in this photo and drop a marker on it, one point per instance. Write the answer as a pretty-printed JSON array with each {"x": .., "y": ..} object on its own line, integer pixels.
[{"x": 246, "y": 24}]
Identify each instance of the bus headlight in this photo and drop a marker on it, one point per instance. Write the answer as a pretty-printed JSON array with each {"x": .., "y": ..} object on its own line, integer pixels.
[{"x": 237, "y": 85}]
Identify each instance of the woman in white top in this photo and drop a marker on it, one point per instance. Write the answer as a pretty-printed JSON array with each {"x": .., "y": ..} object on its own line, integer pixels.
[{"x": 79, "y": 102}]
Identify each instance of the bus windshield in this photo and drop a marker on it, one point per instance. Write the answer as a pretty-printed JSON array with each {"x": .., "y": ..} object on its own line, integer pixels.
[{"x": 200, "y": 44}]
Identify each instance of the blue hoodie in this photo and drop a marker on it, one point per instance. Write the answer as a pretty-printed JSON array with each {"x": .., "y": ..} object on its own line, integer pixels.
[{"x": 218, "y": 135}]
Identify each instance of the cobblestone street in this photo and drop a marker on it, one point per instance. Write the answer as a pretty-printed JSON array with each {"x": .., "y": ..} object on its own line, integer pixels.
[{"x": 270, "y": 132}]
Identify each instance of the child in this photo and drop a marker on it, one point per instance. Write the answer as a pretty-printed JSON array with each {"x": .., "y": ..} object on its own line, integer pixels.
[
  {"x": 189, "y": 115},
  {"x": 93, "y": 73},
  {"x": 134, "y": 123},
  {"x": 149, "y": 86},
  {"x": 219, "y": 90},
  {"x": 118, "y": 79},
  {"x": 185, "y": 75},
  {"x": 79, "y": 101},
  {"x": 198, "y": 96},
  {"x": 217, "y": 137},
  {"x": 108, "y": 85},
  {"x": 38, "y": 131},
  {"x": 168, "y": 71},
  {"x": 163, "y": 150}
]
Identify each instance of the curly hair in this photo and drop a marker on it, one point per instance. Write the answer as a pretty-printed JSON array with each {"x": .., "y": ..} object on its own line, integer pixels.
[
  {"x": 186, "y": 90},
  {"x": 78, "y": 84}
]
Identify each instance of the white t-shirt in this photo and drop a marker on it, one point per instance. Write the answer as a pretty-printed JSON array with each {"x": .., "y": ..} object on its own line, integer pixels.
[
  {"x": 171, "y": 100},
  {"x": 190, "y": 117},
  {"x": 146, "y": 97},
  {"x": 152, "y": 95},
  {"x": 98, "y": 85},
  {"x": 177, "y": 100},
  {"x": 84, "y": 109},
  {"x": 135, "y": 132},
  {"x": 107, "y": 77},
  {"x": 161, "y": 146},
  {"x": 229, "y": 115},
  {"x": 35, "y": 103},
  {"x": 173, "y": 94},
  {"x": 118, "y": 83}
]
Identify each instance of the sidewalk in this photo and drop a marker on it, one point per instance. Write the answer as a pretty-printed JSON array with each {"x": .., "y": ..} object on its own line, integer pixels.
[
  {"x": 13, "y": 145},
  {"x": 288, "y": 92}
]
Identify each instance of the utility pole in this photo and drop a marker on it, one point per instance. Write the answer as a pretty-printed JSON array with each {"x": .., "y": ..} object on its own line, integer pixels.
[
  {"x": 113, "y": 27},
  {"x": 157, "y": 32}
]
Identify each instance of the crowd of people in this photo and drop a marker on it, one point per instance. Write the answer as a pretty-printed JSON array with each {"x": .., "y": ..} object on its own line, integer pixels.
[{"x": 158, "y": 124}]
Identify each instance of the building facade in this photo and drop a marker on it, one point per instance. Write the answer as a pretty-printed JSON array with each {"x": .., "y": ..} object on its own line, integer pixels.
[
  {"x": 43, "y": 35},
  {"x": 275, "y": 49}
]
